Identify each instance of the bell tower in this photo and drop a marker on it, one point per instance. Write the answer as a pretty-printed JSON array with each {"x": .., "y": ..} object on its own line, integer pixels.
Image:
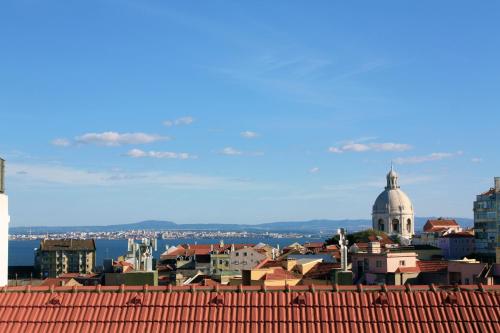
[{"x": 4, "y": 228}]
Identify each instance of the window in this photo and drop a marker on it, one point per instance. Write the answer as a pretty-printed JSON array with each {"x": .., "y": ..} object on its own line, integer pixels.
[
  {"x": 220, "y": 261},
  {"x": 381, "y": 225},
  {"x": 378, "y": 264},
  {"x": 245, "y": 254},
  {"x": 402, "y": 263},
  {"x": 395, "y": 225},
  {"x": 366, "y": 265},
  {"x": 237, "y": 254}
]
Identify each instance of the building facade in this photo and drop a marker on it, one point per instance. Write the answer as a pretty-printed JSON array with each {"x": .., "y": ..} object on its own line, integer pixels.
[
  {"x": 487, "y": 223},
  {"x": 60, "y": 256},
  {"x": 457, "y": 245},
  {"x": 245, "y": 258},
  {"x": 4, "y": 228},
  {"x": 393, "y": 211}
]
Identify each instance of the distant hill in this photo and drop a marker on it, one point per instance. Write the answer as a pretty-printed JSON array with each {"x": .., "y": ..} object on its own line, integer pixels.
[{"x": 312, "y": 226}]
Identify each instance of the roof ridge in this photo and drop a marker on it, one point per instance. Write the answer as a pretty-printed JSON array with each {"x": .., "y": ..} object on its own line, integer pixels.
[{"x": 301, "y": 288}]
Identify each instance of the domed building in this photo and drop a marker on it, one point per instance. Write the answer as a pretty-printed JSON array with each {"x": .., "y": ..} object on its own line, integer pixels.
[{"x": 393, "y": 210}]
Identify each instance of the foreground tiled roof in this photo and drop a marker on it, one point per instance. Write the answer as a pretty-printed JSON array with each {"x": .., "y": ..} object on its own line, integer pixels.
[{"x": 250, "y": 309}]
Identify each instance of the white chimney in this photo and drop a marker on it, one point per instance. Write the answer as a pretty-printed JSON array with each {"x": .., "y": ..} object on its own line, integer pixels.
[
  {"x": 374, "y": 247},
  {"x": 497, "y": 184},
  {"x": 4, "y": 228}
]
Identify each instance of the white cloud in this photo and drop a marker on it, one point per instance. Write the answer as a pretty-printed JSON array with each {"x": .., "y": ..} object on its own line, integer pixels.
[
  {"x": 61, "y": 142},
  {"x": 137, "y": 153},
  {"x": 118, "y": 139},
  {"x": 426, "y": 158},
  {"x": 373, "y": 146},
  {"x": 249, "y": 134},
  {"x": 477, "y": 160},
  {"x": 314, "y": 170},
  {"x": 335, "y": 150},
  {"x": 231, "y": 151},
  {"x": 179, "y": 121}
]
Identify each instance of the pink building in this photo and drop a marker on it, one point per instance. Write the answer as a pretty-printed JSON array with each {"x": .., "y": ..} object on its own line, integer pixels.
[{"x": 376, "y": 266}]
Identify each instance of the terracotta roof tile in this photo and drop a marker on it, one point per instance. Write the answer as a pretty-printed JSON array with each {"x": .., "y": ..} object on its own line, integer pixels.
[
  {"x": 427, "y": 266},
  {"x": 439, "y": 224},
  {"x": 251, "y": 309}
]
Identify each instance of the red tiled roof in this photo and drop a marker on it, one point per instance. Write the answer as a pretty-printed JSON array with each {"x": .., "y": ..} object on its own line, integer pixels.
[
  {"x": 489, "y": 192},
  {"x": 408, "y": 270},
  {"x": 432, "y": 266},
  {"x": 280, "y": 274},
  {"x": 262, "y": 263},
  {"x": 314, "y": 244},
  {"x": 202, "y": 249},
  {"x": 55, "y": 281},
  {"x": 250, "y": 309},
  {"x": 321, "y": 270},
  {"x": 436, "y": 225},
  {"x": 267, "y": 263}
]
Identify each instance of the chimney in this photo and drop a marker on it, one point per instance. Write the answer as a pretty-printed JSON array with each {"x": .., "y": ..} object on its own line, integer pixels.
[
  {"x": 374, "y": 247},
  {"x": 497, "y": 183},
  {"x": 2, "y": 175}
]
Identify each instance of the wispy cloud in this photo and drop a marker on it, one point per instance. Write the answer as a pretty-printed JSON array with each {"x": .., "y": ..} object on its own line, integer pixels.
[
  {"x": 137, "y": 153},
  {"x": 304, "y": 76},
  {"x": 314, "y": 170},
  {"x": 179, "y": 121},
  {"x": 426, "y": 158},
  {"x": 231, "y": 151},
  {"x": 61, "y": 142},
  {"x": 345, "y": 190},
  {"x": 249, "y": 134},
  {"x": 118, "y": 139},
  {"x": 358, "y": 147},
  {"x": 46, "y": 174},
  {"x": 477, "y": 160}
]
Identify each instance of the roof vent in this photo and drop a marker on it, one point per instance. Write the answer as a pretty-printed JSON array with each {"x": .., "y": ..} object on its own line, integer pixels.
[
  {"x": 217, "y": 300},
  {"x": 451, "y": 299},
  {"x": 299, "y": 300},
  {"x": 56, "y": 300},
  {"x": 136, "y": 300},
  {"x": 382, "y": 300}
]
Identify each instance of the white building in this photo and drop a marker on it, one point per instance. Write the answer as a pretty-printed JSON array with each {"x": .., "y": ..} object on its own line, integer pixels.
[
  {"x": 393, "y": 210},
  {"x": 245, "y": 258},
  {"x": 4, "y": 228}
]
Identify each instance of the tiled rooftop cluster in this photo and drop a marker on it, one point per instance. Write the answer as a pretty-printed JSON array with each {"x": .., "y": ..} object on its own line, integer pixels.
[{"x": 251, "y": 309}]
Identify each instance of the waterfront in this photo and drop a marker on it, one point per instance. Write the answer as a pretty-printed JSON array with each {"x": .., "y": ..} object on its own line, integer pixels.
[{"x": 21, "y": 252}]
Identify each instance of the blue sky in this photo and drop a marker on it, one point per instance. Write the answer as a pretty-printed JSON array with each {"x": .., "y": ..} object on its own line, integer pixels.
[{"x": 232, "y": 112}]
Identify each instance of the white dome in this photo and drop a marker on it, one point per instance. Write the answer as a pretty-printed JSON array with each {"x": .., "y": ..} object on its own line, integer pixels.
[
  {"x": 393, "y": 210},
  {"x": 393, "y": 201}
]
